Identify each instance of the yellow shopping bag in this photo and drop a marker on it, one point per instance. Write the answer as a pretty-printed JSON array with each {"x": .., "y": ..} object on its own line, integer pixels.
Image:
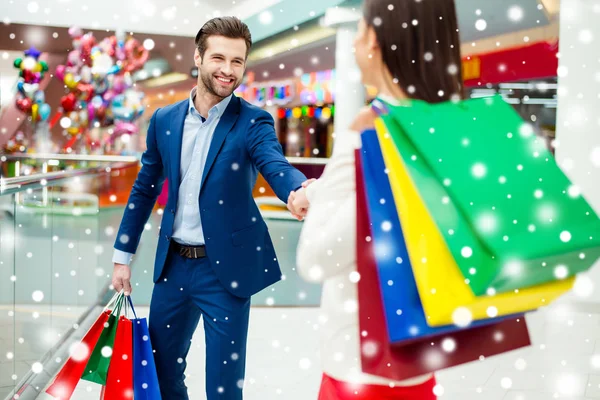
[{"x": 445, "y": 296}]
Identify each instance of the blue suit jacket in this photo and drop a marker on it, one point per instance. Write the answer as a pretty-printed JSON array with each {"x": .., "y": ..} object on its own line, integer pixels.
[{"x": 238, "y": 244}]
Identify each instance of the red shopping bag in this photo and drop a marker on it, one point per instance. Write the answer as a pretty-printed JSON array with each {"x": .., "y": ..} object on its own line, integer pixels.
[
  {"x": 119, "y": 381},
  {"x": 66, "y": 380},
  {"x": 406, "y": 360}
]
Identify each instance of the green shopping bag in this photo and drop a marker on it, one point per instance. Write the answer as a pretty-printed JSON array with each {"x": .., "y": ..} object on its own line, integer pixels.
[
  {"x": 96, "y": 369},
  {"x": 509, "y": 215}
]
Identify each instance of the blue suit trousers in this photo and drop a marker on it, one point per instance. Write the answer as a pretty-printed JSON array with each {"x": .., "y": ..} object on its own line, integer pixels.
[{"x": 189, "y": 289}]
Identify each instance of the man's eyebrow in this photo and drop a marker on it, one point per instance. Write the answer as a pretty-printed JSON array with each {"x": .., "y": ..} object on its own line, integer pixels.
[{"x": 221, "y": 55}]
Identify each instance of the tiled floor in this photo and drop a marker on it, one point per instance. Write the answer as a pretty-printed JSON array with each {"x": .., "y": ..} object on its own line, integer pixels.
[{"x": 561, "y": 364}]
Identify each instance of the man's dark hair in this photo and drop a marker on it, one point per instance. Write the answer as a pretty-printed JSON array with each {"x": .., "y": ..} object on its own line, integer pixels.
[{"x": 230, "y": 27}]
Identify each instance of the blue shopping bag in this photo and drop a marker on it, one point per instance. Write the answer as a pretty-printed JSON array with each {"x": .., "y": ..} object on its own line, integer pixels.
[
  {"x": 405, "y": 318},
  {"x": 145, "y": 380}
]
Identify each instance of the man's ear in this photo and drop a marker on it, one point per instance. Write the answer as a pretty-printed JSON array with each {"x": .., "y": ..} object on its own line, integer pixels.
[{"x": 197, "y": 58}]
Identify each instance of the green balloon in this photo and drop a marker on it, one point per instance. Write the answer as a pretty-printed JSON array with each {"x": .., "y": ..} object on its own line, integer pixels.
[
  {"x": 44, "y": 66},
  {"x": 18, "y": 62}
]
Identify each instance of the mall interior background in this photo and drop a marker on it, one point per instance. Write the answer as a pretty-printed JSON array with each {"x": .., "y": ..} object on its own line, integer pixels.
[{"x": 62, "y": 198}]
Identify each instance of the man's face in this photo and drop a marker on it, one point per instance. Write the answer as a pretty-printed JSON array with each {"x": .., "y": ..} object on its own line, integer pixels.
[{"x": 222, "y": 68}]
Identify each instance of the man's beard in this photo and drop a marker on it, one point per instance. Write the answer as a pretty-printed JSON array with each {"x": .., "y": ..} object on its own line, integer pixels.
[{"x": 210, "y": 86}]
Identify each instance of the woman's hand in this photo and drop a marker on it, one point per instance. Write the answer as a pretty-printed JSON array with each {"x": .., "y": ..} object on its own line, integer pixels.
[
  {"x": 365, "y": 119},
  {"x": 298, "y": 202}
]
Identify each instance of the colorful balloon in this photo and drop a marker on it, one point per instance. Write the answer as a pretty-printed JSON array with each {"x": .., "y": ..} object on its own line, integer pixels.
[
  {"x": 60, "y": 72},
  {"x": 24, "y": 104},
  {"x": 44, "y": 111},
  {"x": 34, "y": 111},
  {"x": 68, "y": 102},
  {"x": 98, "y": 77}
]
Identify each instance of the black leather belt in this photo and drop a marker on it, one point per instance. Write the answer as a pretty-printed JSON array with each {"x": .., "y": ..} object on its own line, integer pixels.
[{"x": 189, "y": 251}]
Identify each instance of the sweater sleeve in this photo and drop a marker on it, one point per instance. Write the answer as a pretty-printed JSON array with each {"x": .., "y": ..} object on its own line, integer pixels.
[{"x": 327, "y": 242}]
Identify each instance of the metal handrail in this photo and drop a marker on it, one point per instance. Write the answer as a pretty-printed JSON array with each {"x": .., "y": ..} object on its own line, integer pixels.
[
  {"x": 35, "y": 181},
  {"x": 100, "y": 158},
  {"x": 68, "y": 157}
]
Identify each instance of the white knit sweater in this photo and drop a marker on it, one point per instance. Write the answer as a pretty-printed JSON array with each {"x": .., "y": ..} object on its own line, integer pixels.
[{"x": 327, "y": 253}]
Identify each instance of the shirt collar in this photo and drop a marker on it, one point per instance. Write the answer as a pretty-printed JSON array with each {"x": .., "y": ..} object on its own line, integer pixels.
[{"x": 219, "y": 108}]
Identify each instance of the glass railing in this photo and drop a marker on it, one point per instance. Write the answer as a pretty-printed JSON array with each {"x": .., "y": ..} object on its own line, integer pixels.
[
  {"x": 54, "y": 260},
  {"x": 59, "y": 215}
]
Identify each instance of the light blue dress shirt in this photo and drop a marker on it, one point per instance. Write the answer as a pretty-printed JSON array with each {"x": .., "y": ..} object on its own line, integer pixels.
[{"x": 197, "y": 136}]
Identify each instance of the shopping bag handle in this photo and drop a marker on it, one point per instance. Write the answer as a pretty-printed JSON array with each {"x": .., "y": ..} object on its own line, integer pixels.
[
  {"x": 113, "y": 300},
  {"x": 379, "y": 107},
  {"x": 132, "y": 308}
]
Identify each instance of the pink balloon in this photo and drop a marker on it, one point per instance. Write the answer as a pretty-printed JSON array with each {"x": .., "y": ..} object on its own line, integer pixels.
[
  {"x": 73, "y": 57},
  {"x": 60, "y": 72},
  {"x": 122, "y": 128},
  {"x": 91, "y": 111},
  {"x": 75, "y": 31},
  {"x": 108, "y": 95},
  {"x": 118, "y": 84}
]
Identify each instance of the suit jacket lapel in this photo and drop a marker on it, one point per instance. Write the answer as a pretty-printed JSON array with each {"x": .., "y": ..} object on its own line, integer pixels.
[
  {"x": 176, "y": 133},
  {"x": 225, "y": 124}
]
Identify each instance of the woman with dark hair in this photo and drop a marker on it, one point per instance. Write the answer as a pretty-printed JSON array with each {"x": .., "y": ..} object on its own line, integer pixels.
[{"x": 405, "y": 49}]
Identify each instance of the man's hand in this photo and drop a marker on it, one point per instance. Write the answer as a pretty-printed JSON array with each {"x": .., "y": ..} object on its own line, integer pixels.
[
  {"x": 121, "y": 278},
  {"x": 298, "y": 202}
]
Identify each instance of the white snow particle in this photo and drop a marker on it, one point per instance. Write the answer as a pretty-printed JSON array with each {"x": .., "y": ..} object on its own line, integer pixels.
[
  {"x": 438, "y": 390},
  {"x": 462, "y": 317},
  {"x": 106, "y": 352},
  {"x": 37, "y": 368},
  {"x": 595, "y": 157},
  {"x": 304, "y": 364},
  {"x": 466, "y": 252},
  {"x": 565, "y": 236},
  {"x": 479, "y": 170},
  {"x": 354, "y": 277},
  {"x": 370, "y": 348},
  {"x": 386, "y": 226},
  {"x": 506, "y": 383},
  {"x": 449, "y": 345},
  {"x": 574, "y": 191},
  {"x": 37, "y": 296},
  {"x": 561, "y": 272},
  {"x": 583, "y": 287},
  {"x": 492, "y": 312},
  {"x": 515, "y": 13}
]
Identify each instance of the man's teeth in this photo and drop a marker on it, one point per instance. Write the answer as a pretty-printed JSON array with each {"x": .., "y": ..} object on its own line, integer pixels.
[{"x": 224, "y": 80}]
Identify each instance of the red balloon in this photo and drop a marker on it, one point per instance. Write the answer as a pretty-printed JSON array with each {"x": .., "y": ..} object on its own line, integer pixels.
[
  {"x": 86, "y": 91},
  {"x": 24, "y": 104},
  {"x": 101, "y": 113},
  {"x": 136, "y": 54},
  {"x": 68, "y": 102}
]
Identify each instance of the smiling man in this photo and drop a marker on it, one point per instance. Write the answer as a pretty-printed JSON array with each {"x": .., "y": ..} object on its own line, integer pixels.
[{"x": 214, "y": 249}]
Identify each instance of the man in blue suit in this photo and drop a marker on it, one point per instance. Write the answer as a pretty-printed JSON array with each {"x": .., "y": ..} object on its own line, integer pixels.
[{"x": 214, "y": 249}]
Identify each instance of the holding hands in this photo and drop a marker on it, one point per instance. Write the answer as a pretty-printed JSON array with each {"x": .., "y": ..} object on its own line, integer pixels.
[{"x": 298, "y": 202}]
